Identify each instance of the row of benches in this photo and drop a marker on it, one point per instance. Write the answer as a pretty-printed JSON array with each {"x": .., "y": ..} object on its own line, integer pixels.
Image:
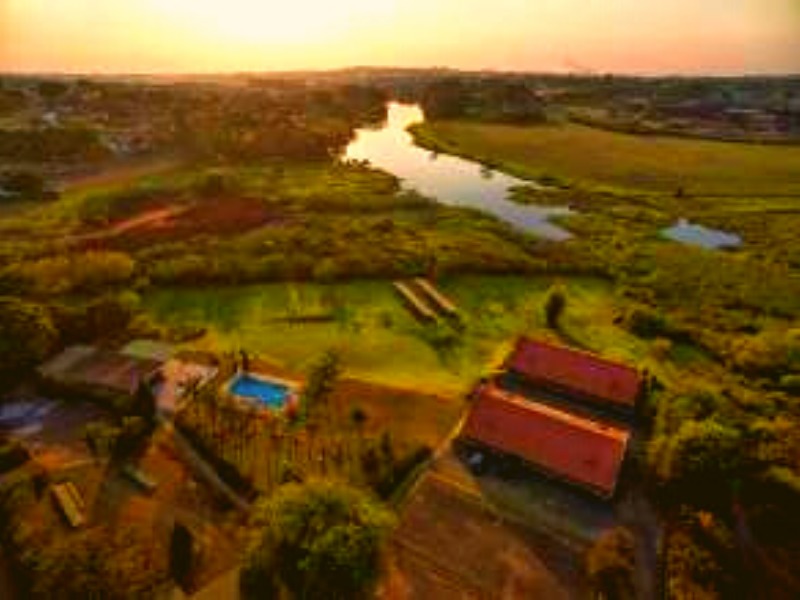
[{"x": 424, "y": 300}]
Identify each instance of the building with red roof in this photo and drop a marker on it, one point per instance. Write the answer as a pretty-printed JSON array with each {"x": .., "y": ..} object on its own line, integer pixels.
[
  {"x": 578, "y": 375},
  {"x": 581, "y": 451}
]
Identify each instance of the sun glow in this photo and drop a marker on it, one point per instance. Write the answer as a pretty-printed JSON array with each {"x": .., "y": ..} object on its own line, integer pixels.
[{"x": 666, "y": 36}]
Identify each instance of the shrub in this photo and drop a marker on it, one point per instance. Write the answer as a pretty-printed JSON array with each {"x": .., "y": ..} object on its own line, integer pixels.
[
  {"x": 647, "y": 323},
  {"x": 554, "y": 305},
  {"x": 692, "y": 571},
  {"x": 24, "y": 184},
  {"x": 790, "y": 383},
  {"x": 214, "y": 183},
  {"x": 767, "y": 354},
  {"x": 661, "y": 348},
  {"x": 12, "y": 455},
  {"x": 610, "y": 564},
  {"x": 27, "y": 335}
]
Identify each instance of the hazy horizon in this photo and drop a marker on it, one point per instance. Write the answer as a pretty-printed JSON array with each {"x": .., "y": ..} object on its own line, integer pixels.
[{"x": 627, "y": 37}]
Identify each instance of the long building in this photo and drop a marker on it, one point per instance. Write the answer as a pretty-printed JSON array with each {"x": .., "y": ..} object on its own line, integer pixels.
[
  {"x": 584, "y": 452},
  {"x": 577, "y": 376}
]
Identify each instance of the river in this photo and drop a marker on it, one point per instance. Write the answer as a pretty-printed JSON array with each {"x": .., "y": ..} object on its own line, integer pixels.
[{"x": 448, "y": 179}]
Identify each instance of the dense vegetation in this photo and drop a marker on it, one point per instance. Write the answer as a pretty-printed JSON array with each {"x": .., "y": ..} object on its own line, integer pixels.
[
  {"x": 482, "y": 100},
  {"x": 61, "y": 144},
  {"x": 260, "y": 197},
  {"x": 294, "y": 221}
]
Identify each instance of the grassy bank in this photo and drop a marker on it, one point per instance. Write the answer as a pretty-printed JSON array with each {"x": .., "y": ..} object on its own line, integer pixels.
[{"x": 575, "y": 153}]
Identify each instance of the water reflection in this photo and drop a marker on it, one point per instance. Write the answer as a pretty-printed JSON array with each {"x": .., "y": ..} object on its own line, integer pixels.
[
  {"x": 448, "y": 179},
  {"x": 698, "y": 235}
]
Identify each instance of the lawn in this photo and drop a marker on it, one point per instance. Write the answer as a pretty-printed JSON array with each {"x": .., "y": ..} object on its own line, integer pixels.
[
  {"x": 576, "y": 153},
  {"x": 291, "y": 324}
]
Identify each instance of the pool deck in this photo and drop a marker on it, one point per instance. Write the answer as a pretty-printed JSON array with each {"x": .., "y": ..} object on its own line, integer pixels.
[
  {"x": 291, "y": 384},
  {"x": 177, "y": 376}
]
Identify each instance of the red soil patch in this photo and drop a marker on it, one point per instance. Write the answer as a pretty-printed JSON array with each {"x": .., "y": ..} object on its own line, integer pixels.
[{"x": 223, "y": 216}]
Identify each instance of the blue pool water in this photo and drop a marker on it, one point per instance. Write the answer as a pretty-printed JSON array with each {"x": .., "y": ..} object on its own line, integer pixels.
[{"x": 268, "y": 393}]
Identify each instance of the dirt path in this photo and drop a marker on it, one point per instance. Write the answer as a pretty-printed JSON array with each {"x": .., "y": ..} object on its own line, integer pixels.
[
  {"x": 148, "y": 219},
  {"x": 203, "y": 469}
]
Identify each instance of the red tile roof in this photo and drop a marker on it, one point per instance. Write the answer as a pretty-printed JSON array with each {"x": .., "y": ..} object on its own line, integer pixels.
[
  {"x": 577, "y": 449},
  {"x": 587, "y": 375}
]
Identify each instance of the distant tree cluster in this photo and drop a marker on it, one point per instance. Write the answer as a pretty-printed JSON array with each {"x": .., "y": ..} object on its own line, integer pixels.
[
  {"x": 490, "y": 100},
  {"x": 294, "y": 124},
  {"x": 24, "y": 184},
  {"x": 91, "y": 271},
  {"x": 51, "y": 144}
]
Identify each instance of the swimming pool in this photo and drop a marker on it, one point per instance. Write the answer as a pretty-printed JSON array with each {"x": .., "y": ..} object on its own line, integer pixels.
[{"x": 271, "y": 394}]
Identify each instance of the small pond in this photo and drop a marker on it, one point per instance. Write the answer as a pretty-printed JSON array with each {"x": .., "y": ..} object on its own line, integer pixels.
[
  {"x": 448, "y": 179},
  {"x": 698, "y": 235}
]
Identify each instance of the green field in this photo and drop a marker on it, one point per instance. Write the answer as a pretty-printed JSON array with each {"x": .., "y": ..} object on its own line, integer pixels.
[
  {"x": 378, "y": 338},
  {"x": 579, "y": 154}
]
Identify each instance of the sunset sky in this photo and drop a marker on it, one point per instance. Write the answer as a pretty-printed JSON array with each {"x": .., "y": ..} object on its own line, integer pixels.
[{"x": 632, "y": 36}]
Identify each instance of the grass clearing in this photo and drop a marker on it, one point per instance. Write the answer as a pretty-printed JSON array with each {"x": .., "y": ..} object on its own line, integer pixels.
[
  {"x": 291, "y": 324},
  {"x": 412, "y": 419},
  {"x": 571, "y": 152}
]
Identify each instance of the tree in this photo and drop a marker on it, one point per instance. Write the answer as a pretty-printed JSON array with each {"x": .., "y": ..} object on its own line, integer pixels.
[
  {"x": 51, "y": 89},
  {"x": 359, "y": 420},
  {"x": 445, "y": 99},
  {"x": 27, "y": 335},
  {"x": 321, "y": 380},
  {"x": 182, "y": 554},
  {"x": 610, "y": 564},
  {"x": 554, "y": 305},
  {"x": 318, "y": 540},
  {"x": 23, "y": 183},
  {"x": 512, "y": 102},
  {"x": 145, "y": 403}
]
